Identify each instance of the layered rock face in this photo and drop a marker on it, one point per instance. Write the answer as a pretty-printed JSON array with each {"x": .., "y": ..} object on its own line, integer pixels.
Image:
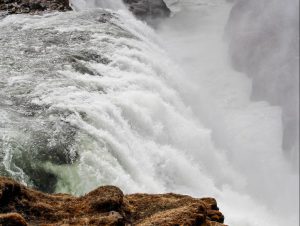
[{"x": 107, "y": 205}]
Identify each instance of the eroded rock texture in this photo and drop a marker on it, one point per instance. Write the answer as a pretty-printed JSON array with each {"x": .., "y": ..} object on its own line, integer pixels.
[
  {"x": 33, "y": 6},
  {"x": 107, "y": 205}
]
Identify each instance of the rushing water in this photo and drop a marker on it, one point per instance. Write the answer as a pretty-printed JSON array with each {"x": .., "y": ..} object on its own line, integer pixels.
[{"x": 97, "y": 97}]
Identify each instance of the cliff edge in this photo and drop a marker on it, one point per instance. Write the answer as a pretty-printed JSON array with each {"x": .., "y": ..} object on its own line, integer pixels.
[{"x": 106, "y": 205}]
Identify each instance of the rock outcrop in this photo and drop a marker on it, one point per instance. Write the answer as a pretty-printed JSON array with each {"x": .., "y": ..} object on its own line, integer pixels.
[
  {"x": 148, "y": 9},
  {"x": 143, "y": 9},
  {"x": 33, "y": 6},
  {"x": 106, "y": 205}
]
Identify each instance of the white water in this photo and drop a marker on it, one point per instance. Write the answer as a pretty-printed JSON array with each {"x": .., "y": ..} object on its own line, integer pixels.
[
  {"x": 91, "y": 4},
  {"x": 250, "y": 132},
  {"x": 168, "y": 114}
]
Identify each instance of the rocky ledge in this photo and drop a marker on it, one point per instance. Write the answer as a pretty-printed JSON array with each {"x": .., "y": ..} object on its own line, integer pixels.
[
  {"x": 106, "y": 205},
  {"x": 33, "y": 6},
  {"x": 143, "y": 9}
]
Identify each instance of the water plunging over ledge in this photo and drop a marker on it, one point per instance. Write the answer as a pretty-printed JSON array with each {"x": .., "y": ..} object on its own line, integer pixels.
[{"x": 96, "y": 97}]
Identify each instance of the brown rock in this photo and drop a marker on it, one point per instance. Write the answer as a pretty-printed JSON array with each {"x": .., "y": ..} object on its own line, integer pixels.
[
  {"x": 12, "y": 219},
  {"x": 104, "y": 206}
]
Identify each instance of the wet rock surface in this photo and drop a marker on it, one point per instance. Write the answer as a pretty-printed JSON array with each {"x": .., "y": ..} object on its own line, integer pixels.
[
  {"x": 107, "y": 205},
  {"x": 33, "y": 6},
  {"x": 145, "y": 9}
]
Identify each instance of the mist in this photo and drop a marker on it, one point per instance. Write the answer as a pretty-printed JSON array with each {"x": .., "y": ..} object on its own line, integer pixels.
[
  {"x": 240, "y": 64},
  {"x": 267, "y": 32}
]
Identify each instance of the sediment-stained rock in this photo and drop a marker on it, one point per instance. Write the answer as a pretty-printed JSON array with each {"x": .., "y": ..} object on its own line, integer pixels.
[{"x": 106, "y": 205}]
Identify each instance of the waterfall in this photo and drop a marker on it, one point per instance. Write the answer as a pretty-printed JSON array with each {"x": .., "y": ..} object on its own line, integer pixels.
[
  {"x": 96, "y": 97},
  {"x": 91, "y": 4}
]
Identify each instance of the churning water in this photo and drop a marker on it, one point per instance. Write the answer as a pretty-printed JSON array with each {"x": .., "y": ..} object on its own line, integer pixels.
[{"x": 97, "y": 97}]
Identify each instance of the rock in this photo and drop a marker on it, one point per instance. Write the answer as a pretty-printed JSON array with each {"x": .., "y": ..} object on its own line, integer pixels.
[
  {"x": 173, "y": 209},
  {"x": 33, "y": 6},
  {"x": 144, "y": 9},
  {"x": 12, "y": 219},
  {"x": 106, "y": 205},
  {"x": 106, "y": 199}
]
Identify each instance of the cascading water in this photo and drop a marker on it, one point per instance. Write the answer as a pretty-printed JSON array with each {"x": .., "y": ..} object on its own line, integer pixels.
[
  {"x": 97, "y": 97},
  {"x": 92, "y": 4}
]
